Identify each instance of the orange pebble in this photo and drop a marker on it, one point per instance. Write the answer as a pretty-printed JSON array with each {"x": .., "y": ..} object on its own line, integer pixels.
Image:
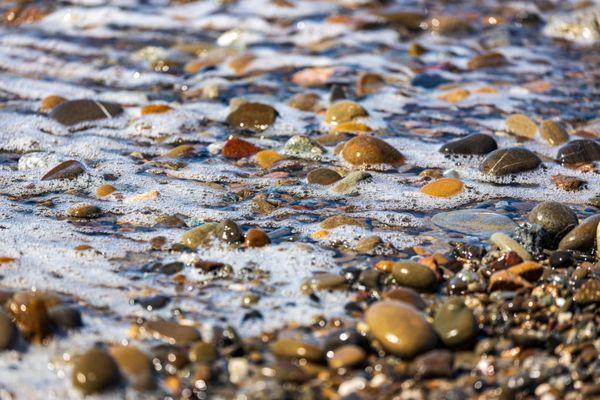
[{"x": 445, "y": 187}]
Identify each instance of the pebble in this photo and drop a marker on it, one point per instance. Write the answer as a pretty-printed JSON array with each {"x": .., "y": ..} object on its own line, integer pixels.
[
  {"x": 303, "y": 147},
  {"x": 474, "y": 144},
  {"x": 8, "y": 332},
  {"x": 266, "y": 158},
  {"x": 199, "y": 236},
  {"x": 323, "y": 176},
  {"x": 511, "y": 160},
  {"x": 155, "y": 109},
  {"x": 49, "y": 102},
  {"x": 236, "y": 148},
  {"x": 568, "y": 183},
  {"x": 296, "y": 348},
  {"x": 346, "y": 356},
  {"x": 70, "y": 169},
  {"x": 428, "y": 80},
  {"x": 405, "y": 295},
  {"x": 348, "y": 184},
  {"x": 94, "y": 372},
  {"x": 433, "y": 364},
  {"x": 65, "y": 317},
  {"x": 84, "y": 211},
  {"x": 401, "y": 329},
  {"x": 368, "y": 83},
  {"x": 339, "y": 220},
  {"x": 256, "y": 238},
  {"x": 367, "y": 244},
  {"x": 172, "y": 332},
  {"x": 487, "y": 60},
  {"x": 583, "y": 236},
  {"x": 30, "y": 313},
  {"x": 562, "y": 259},
  {"x": 505, "y": 280},
  {"x": 105, "y": 190},
  {"x": 324, "y": 281},
  {"x": 588, "y": 293},
  {"x": 454, "y": 323},
  {"x": 554, "y": 217},
  {"x": 305, "y": 102},
  {"x": 344, "y": 111},
  {"x": 183, "y": 150},
  {"x": 579, "y": 151},
  {"x": 455, "y": 96},
  {"x": 445, "y": 187},
  {"x": 73, "y": 112},
  {"x": 203, "y": 352},
  {"x": 553, "y": 133},
  {"x": 529, "y": 270},
  {"x": 521, "y": 125},
  {"x": 507, "y": 244},
  {"x": 414, "y": 275},
  {"x": 229, "y": 232},
  {"x": 135, "y": 366},
  {"x": 474, "y": 222},
  {"x": 252, "y": 116},
  {"x": 369, "y": 150}
]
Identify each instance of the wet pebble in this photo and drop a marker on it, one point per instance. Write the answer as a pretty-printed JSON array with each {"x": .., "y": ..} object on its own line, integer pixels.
[
  {"x": 323, "y": 176},
  {"x": 369, "y": 150},
  {"x": 588, "y": 293},
  {"x": 236, "y": 148},
  {"x": 529, "y": 270},
  {"x": 507, "y": 244},
  {"x": 346, "y": 356},
  {"x": 367, "y": 244},
  {"x": 475, "y": 144},
  {"x": 303, "y": 147},
  {"x": 511, "y": 160},
  {"x": 70, "y": 169},
  {"x": 304, "y": 101},
  {"x": 172, "y": 332},
  {"x": 199, "y": 236},
  {"x": 562, "y": 259},
  {"x": 583, "y": 236},
  {"x": 487, "y": 60},
  {"x": 414, "y": 275},
  {"x": 65, "y": 316},
  {"x": 428, "y": 80},
  {"x": 454, "y": 323},
  {"x": 339, "y": 220},
  {"x": 105, "y": 190},
  {"x": 553, "y": 133},
  {"x": 406, "y": 295},
  {"x": 76, "y": 111},
  {"x": 256, "y": 238},
  {"x": 553, "y": 216},
  {"x": 30, "y": 313},
  {"x": 296, "y": 348},
  {"x": 48, "y": 103},
  {"x": 344, "y": 111},
  {"x": 83, "y": 211},
  {"x": 203, "y": 352},
  {"x": 325, "y": 281},
  {"x": 8, "y": 332},
  {"x": 474, "y": 222},
  {"x": 445, "y": 187},
  {"x": 348, "y": 184},
  {"x": 135, "y": 366},
  {"x": 433, "y": 364},
  {"x": 579, "y": 151},
  {"x": 229, "y": 232},
  {"x": 521, "y": 125},
  {"x": 94, "y": 372},
  {"x": 267, "y": 158},
  {"x": 252, "y": 116}
]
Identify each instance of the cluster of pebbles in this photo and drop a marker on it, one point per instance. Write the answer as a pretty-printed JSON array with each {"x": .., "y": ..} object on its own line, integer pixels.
[{"x": 281, "y": 199}]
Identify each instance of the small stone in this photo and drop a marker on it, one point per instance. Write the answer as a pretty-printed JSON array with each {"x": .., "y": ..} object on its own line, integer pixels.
[
  {"x": 474, "y": 222},
  {"x": 256, "y": 238},
  {"x": 344, "y": 111},
  {"x": 579, "y": 151},
  {"x": 203, "y": 352},
  {"x": 181, "y": 151},
  {"x": 266, "y": 158},
  {"x": 428, "y": 80},
  {"x": 507, "y": 244},
  {"x": 368, "y": 83},
  {"x": 76, "y": 111},
  {"x": 583, "y": 236},
  {"x": 521, "y": 125},
  {"x": 511, "y": 160},
  {"x": 229, "y": 232},
  {"x": 346, "y": 356},
  {"x": 414, "y": 275},
  {"x": 348, "y": 184},
  {"x": 155, "y": 109},
  {"x": 236, "y": 148},
  {"x": 30, "y": 313},
  {"x": 8, "y": 332},
  {"x": 568, "y": 183},
  {"x": 154, "y": 302},
  {"x": 325, "y": 281},
  {"x": 553, "y": 133},
  {"x": 445, "y": 187},
  {"x": 65, "y": 170},
  {"x": 552, "y": 216},
  {"x": 406, "y": 295},
  {"x": 400, "y": 328},
  {"x": 49, "y": 102},
  {"x": 367, "y": 244},
  {"x": 199, "y": 236},
  {"x": 369, "y": 150},
  {"x": 323, "y": 176},
  {"x": 94, "y": 372},
  {"x": 475, "y": 144},
  {"x": 305, "y": 102},
  {"x": 505, "y": 280},
  {"x": 588, "y": 293},
  {"x": 303, "y": 147},
  {"x": 252, "y": 116},
  {"x": 337, "y": 93},
  {"x": 339, "y": 220},
  {"x": 172, "y": 332},
  {"x": 105, "y": 190},
  {"x": 488, "y": 60},
  {"x": 416, "y": 50},
  {"x": 296, "y": 348},
  {"x": 83, "y": 211},
  {"x": 135, "y": 366},
  {"x": 455, "y": 96},
  {"x": 65, "y": 316},
  {"x": 562, "y": 259},
  {"x": 529, "y": 270},
  {"x": 433, "y": 364}
]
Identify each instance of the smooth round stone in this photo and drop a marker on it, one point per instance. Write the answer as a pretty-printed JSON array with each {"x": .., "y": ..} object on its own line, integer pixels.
[
  {"x": 199, "y": 236},
  {"x": 256, "y": 238},
  {"x": 579, "y": 151},
  {"x": 169, "y": 357},
  {"x": 295, "y": 348},
  {"x": 367, "y": 244},
  {"x": 30, "y": 313},
  {"x": 346, "y": 356},
  {"x": 8, "y": 332},
  {"x": 181, "y": 151},
  {"x": 583, "y": 236},
  {"x": 135, "y": 365},
  {"x": 562, "y": 259},
  {"x": 75, "y": 111},
  {"x": 401, "y": 329},
  {"x": 521, "y": 125},
  {"x": 414, "y": 275},
  {"x": 304, "y": 101},
  {"x": 454, "y": 323},
  {"x": 445, "y": 187},
  {"x": 507, "y": 244},
  {"x": 94, "y": 372},
  {"x": 344, "y": 111},
  {"x": 406, "y": 295},
  {"x": 475, "y": 144},
  {"x": 323, "y": 281},
  {"x": 553, "y": 133},
  {"x": 323, "y": 176},
  {"x": 487, "y": 60},
  {"x": 83, "y": 211},
  {"x": 203, "y": 352},
  {"x": 474, "y": 222},
  {"x": 70, "y": 169},
  {"x": 65, "y": 316},
  {"x": 348, "y": 184},
  {"x": 552, "y": 216},
  {"x": 172, "y": 331},
  {"x": 509, "y": 161},
  {"x": 369, "y": 150},
  {"x": 252, "y": 116},
  {"x": 368, "y": 83},
  {"x": 105, "y": 190},
  {"x": 229, "y": 232}
]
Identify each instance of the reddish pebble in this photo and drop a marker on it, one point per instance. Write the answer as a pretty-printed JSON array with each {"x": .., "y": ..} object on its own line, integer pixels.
[
  {"x": 256, "y": 238},
  {"x": 237, "y": 148}
]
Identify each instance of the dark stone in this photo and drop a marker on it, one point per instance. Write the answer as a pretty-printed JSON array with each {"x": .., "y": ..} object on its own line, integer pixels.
[
  {"x": 476, "y": 143},
  {"x": 561, "y": 259},
  {"x": 509, "y": 161},
  {"x": 65, "y": 317},
  {"x": 579, "y": 151},
  {"x": 152, "y": 302},
  {"x": 433, "y": 364},
  {"x": 75, "y": 111},
  {"x": 428, "y": 80}
]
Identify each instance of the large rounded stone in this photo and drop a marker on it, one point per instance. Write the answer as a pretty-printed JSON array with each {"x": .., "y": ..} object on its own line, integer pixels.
[
  {"x": 454, "y": 323},
  {"x": 476, "y": 144},
  {"x": 509, "y": 161},
  {"x": 369, "y": 150},
  {"x": 344, "y": 111},
  {"x": 8, "y": 331},
  {"x": 252, "y": 116},
  {"x": 75, "y": 111},
  {"x": 579, "y": 151},
  {"x": 94, "y": 372},
  {"x": 583, "y": 236},
  {"x": 135, "y": 365},
  {"x": 414, "y": 275},
  {"x": 553, "y": 216}
]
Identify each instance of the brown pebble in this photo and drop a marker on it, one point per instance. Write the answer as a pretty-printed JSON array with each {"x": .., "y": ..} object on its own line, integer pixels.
[
  {"x": 135, "y": 366},
  {"x": 172, "y": 332},
  {"x": 339, "y": 220},
  {"x": 505, "y": 280},
  {"x": 368, "y": 150},
  {"x": 83, "y": 211},
  {"x": 256, "y": 238},
  {"x": 295, "y": 348},
  {"x": 488, "y": 60},
  {"x": 94, "y": 372},
  {"x": 323, "y": 176},
  {"x": 346, "y": 356},
  {"x": 65, "y": 170},
  {"x": 553, "y": 133},
  {"x": 30, "y": 313},
  {"x": 105, "y": 190}
]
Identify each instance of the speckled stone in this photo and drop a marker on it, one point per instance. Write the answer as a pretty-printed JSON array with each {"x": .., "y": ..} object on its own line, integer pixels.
[
  {"x": 553, "y": 133},
  {"x": 552, "y": 216}
]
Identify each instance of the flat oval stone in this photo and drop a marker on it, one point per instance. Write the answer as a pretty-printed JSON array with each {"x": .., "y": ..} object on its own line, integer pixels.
[
  {"x": 135, "y": 366},
  {"x": 344, "y": 111},
  {"x": 105, "y": 190},
  {"x": 70, "y": 169},
  {"x": 474, "y": 222},
  {"x": 253, "y": 116},
  {"x": 304, "y": 101},
  {"x": 266, "y": 158},
  {"x": 348, "y": 184},
  {"x": 323, "y": 281},
  {"x": 509, "y": 161},
  {"x": 406, "y": 295},
  {"x": 172, "y": 331},
  {"x": 553, "y": 216},
  {"x": 583, "y": 236},
  {"x": 8, "y": 332},
  {"x": 487, "y": 60},
  {"x": 323, "y": 176},
  {"x": 507, "y": 244},
  {"x": 339, "y": 220},
  {"x": 401, "y": 329},
  {"x": 445, "y": 187},
  {"x": 346, "y": 356},
  {"x": 94, "y": 372},
  {"x": 521, "y": 125},
  {"x": 369, "y": 150},
  {"x": 454, "y": 323},
  {"x": 199, "y": 236},
  {"x": 296, "y": 348},
  {"x": 84, "y": 211},
  {"x": 579, "y": 151},
  {"x": 475, "y": 144},
  {"x": 553, "y": 133},
  {"x": 414, "y": 275},
  {"x": 75, "y": 111}
]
